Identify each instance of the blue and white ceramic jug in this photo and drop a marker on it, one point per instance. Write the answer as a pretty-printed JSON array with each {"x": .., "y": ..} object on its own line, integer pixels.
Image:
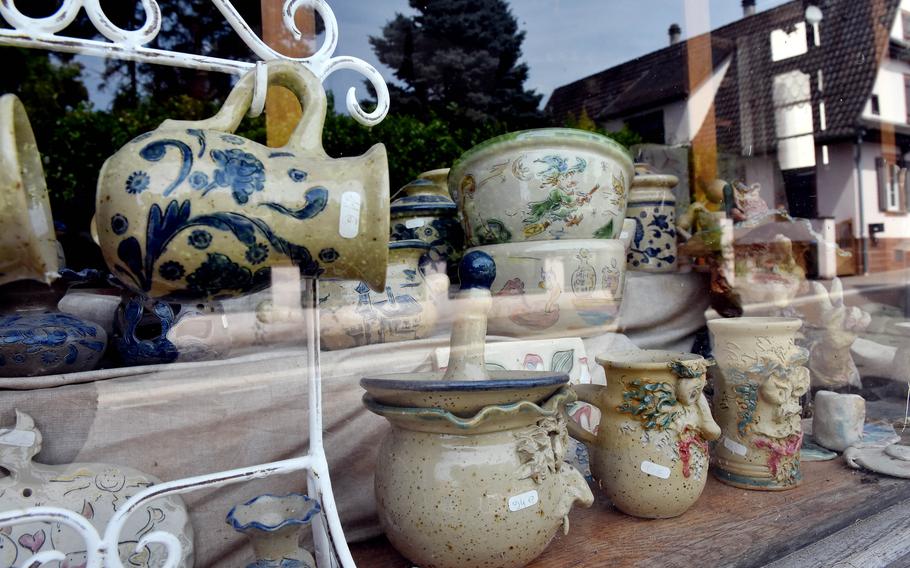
[{"x": 191, "y": 211}]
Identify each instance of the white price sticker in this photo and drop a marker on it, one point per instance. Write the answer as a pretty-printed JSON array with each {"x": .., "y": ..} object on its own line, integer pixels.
[
  {"x": 414, "y": 223},
  {"x": 523, "y": 500},
  {"x": 21, "y": 438},
  {"x": 349, "y": 219},
  {"x": 656, "y": 470},
  {"x": 735, "y": 447}
]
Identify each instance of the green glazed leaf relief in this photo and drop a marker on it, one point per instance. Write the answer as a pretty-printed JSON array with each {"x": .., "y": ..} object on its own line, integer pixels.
[
  {"x": 654, "y": 404},
  {"x": 605, "y": 232}
]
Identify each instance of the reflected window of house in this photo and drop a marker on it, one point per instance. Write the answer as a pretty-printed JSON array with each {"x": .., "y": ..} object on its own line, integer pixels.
[
  {"x": 875, "y": 107},
  {"x": 789, "y": 43},
  {"x": 892, "y": 186}
]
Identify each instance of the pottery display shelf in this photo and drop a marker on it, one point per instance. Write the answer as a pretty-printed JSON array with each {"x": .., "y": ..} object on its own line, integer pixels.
[
  {"x": 811, "y": 526},
  {"x": 306, "y": 74}
]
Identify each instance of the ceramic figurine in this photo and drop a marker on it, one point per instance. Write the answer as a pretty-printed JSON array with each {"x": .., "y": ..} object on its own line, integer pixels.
[
  {"x": 191, "y": 211},
  {"x": 471, "y": 472},
  {"x": 757, "y": 392},
  {"x": 34, "y": 344},
  {"x": 558, "y": 288},
  {"x": 28, "y": 246},
  {"x": 96, "y": 491},
  {"x": 650, "y": 455},
  {"x": 767, "y": 273},
  {"x": 652, "y": 205},
  {"x": 351, "y": 315},
  {"x": 426, "y": 212},
  {"x": 273, "y": 525},
  {"x": 838, "y": 419},
  {"x": 145, "y": 348},
  {"x": 550, "y": 183},
  {"x": 749, "y": 206},
  {"x": 831, "y": 328}
]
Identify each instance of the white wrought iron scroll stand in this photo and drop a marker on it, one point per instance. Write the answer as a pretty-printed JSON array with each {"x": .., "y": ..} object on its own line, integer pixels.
[{"x": 42, "y": 33}]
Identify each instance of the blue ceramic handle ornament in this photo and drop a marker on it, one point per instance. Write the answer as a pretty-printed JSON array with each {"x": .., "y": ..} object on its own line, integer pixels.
[{"x": 477, "y": 270}]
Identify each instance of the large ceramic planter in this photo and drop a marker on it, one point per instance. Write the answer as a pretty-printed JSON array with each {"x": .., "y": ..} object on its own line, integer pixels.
[
  {"x": 487, "y": 490},
  {"x": 759, "y": 381},
  {"x": 556, "y": 288},
  {"x": 28, "y": 247},
  {"x": 273, "y": 523},
  {"x": 351, "y": 315},
  {"x": 650, "y": 454},
  {"x": 550, "y": 183},
  {"x": 652, "y": 206},
  {"x": 191, "y": 211},
  {"x": 425, "y": 212}
]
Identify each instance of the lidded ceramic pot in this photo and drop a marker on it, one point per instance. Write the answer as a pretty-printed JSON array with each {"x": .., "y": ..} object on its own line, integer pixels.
[
  {"x": 352, "y": 315},
  {"x": 33, "y": 344},
  {"x": 650, "y": 454},
  {"x": 472, "y": 471},
  {"x": 757, "y": 388},
  {"x": 426, "y": 212},
  {"x": 544, "y": 184},
  {"x": 652, "y": 205},
  {"x": 191, "y": 211},
  {"x": 28, "y": 246}
]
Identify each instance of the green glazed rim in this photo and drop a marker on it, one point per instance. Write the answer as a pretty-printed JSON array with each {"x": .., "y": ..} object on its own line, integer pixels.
[{"x": 542, "y": 136}]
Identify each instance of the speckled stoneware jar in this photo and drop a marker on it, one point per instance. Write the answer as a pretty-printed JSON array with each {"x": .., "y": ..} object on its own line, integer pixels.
[
  {"x": 757, "y": 388},
  {"x": 191, "y": 211},
  {"x": 489, "y": 490},
  {"x": 557, "y": 288},
  {"x": 273, "y": 524},
  {"x": 425, "y": 211},
  {"x": 28, "y": 246},
  {"x": 652, "y": 205},
  {"x": 351, "y": 315},
  {"x": 650, "y": 455},
  {"x": 544, "y": 184},
  {"x": 33, "y": 344}
]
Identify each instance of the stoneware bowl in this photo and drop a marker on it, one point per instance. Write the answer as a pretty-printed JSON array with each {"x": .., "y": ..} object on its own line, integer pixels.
[
  {"x": 28, "y": 247},
  {"x": 534, "y": 185},
  {"x": 557, "y": 288}
]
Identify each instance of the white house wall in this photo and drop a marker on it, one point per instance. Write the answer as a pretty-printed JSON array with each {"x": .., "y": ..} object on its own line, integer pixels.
[
  {"x": 761, "y": 170},
  {"x": 897, "y": 28},
  {"x": 889, "y": 86},
  {"x": 837, "y": 186}
]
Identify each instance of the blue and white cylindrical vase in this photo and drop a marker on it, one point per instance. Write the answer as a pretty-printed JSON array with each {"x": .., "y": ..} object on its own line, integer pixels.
[{"x": 652, "y": 205}]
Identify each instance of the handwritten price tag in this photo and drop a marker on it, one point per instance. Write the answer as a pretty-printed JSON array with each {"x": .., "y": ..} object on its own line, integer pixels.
[
  {"x": 523, "y": 500},
  {"x": 735, "y": 447},
  {"x": 349, "y": 219}
]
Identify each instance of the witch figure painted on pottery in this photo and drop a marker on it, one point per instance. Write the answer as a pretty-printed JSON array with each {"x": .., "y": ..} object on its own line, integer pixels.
[{"x": 757, "y": 402}]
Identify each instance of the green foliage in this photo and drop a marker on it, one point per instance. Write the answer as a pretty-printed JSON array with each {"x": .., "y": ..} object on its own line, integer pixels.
[{"x": 624, "y": 136}]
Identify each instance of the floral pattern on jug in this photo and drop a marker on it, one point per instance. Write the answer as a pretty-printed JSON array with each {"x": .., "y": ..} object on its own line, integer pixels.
[
  {"x": 759, "y": 383},
  {"x": 191, "y": 211}
]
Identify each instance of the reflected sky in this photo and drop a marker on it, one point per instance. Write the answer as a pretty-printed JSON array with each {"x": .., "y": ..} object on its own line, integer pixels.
[{"x": 565, "y": 39}]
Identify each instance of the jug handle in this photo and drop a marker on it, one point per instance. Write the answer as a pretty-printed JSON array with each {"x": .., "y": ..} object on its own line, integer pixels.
[
  {"x": 307, "y": 135},
  {"x": 591, "y": 395}
]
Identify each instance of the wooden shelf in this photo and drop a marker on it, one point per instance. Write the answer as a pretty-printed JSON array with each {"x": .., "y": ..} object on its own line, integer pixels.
[{"x": 727, "y": 527}]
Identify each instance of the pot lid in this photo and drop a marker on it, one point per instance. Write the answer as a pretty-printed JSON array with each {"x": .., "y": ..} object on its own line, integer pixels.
[
  {"x": 466, "y": 386},
  {"x": 421, "y": 195},
  {"x": 645, "y": 176}
]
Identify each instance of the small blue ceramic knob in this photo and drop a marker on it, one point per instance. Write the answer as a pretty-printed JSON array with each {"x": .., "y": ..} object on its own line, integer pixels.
[{"x": 477, "y": 270}]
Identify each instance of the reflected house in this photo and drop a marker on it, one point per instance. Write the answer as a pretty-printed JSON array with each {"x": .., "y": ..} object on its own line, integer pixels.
[{"x": 810, "y": 99}]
